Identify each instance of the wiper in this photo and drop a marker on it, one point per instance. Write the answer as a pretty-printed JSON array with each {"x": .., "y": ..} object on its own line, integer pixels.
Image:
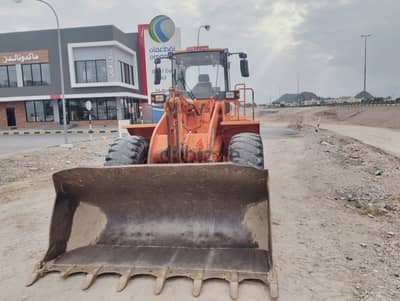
[{"x": 182, "y": 79}]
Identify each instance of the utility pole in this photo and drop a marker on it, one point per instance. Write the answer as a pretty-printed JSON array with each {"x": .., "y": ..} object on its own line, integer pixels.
[
  {"x": 298, "y": 86},
  {"x": 61, "y": 65},
  {"x": 365, "y": 37}
]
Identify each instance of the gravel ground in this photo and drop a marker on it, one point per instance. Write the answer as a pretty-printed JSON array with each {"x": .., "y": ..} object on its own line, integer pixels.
[
  {"x": 335, "y": 216},
  {"x": 42, "y": 163}
]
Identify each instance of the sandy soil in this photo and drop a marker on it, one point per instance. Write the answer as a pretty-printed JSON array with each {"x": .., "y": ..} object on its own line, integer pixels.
[
  {"x": 378, "y": 116},
  {"x": 336, "y": 227}
]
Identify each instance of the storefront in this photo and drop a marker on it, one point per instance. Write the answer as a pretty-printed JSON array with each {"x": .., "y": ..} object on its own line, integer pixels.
[{"x": 100, "y": 65}]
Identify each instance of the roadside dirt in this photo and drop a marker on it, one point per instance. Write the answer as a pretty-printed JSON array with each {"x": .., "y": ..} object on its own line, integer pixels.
[
  {"x": 385, "y": 139},
  {"x": 336, "y": 229},
  {"x": 31, "y": 165},
  {"x": 377, "y": 116}
]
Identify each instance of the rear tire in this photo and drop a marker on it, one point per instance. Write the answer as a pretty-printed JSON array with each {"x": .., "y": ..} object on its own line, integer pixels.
[
  {"x": 246, "y": 149},
  {"x": 127, "y": 151}
]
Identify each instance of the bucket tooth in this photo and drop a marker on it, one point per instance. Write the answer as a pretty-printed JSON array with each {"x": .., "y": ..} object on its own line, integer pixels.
[
  {"x": 38, "y": 272},
  {"x": 123, "y": 280},
  {"x": 90, "y": 278},
  {"x": 234, "y": 285},
  {"x": 197, "y": 284},
  {"x": 160, "y": 281},
  {"x": 273, "y": 284},
  {"x": 67, "y": 272}
]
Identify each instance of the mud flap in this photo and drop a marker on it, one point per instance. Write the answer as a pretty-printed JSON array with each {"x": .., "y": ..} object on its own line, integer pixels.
[{"x": 200, "y": 221}]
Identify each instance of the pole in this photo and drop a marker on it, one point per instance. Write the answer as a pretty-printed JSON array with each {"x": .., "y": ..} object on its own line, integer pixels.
[
  {"x": 365, "y": 37},
  {"x": 198, "y": 43},
  {"x": 198, "y": 36},
  {"x": 61, "y": 69},
  {"x": 298, "y": 87},
  {"x": 90, "y": 126},
  {"x": 206, "y": 27},
  {"x": 365, "y": 64}
]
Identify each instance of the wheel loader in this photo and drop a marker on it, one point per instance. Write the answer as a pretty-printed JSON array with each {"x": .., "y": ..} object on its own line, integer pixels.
[{"x": 186, "y": 197}]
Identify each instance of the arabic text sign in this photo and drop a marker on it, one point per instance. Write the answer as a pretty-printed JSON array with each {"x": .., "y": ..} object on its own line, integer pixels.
[
  {"x": 155, "y": 50},
  {"x": 24, "y": 57}
]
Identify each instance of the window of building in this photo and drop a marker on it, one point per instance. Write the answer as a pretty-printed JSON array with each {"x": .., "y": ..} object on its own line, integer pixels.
[
  {"x": 8, "y": 76},
  {"x": 102, "y": 109},
  {"x": 91, "y": 71},
  {"x": 39, "y": 111},
  {"x": 112, "y": 109},
  {"x": 77, "y": 110},
  {"x": 101, "y": 68},
  {"x": 80, "y": 70},
  {"x": 36, "y": 74},
  {"x": 126, "y": 73},
  {"x": 45, "y": 74},
  {"x": 130, "y": 109}
]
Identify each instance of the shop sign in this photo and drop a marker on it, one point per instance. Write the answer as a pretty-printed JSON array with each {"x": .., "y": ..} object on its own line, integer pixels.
[{"x": 24, "y": 57}]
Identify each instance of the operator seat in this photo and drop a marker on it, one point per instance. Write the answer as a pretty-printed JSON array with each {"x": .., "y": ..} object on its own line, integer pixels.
[{"x": 203, "y": 89}]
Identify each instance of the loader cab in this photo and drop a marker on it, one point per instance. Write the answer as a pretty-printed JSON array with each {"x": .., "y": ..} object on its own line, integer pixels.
[{"x": 202, "y": 73}]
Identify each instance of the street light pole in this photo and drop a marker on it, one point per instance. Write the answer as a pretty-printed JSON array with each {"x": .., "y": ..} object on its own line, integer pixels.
[
  {"x": 365, "y": 37},
  {"x": 61, "y": 66},
  {"x": 206, "y": 27}
]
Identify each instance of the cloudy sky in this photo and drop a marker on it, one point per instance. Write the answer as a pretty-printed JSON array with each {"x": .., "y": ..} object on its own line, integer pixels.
[{"x": 316, "y": 40}]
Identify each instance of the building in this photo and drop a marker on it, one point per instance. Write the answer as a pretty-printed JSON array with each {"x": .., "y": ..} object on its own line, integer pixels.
[
  {"x": 312, "y": 102},
  {"x": 342, "y": 100},
  {"x": 100, "y": 64}
]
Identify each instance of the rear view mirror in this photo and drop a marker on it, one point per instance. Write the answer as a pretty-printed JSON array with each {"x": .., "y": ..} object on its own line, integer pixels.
[
  {"x": 244, "y": 68},
  {"x": 157, "y": 76}
]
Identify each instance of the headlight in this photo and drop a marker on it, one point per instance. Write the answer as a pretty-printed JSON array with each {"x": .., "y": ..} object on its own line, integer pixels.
[
  {"x": 232, "y": 95},
  {"x": 158, "y": 98}
]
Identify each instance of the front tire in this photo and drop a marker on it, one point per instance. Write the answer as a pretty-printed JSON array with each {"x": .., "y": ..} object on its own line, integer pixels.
[
  {"x": 129, "y": 150},
  {"x": 246, "y": 149}
]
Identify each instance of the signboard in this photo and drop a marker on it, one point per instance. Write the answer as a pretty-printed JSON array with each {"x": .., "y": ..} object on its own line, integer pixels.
[
  {"x": 24, "y": 57},
  {"x": 157, "y": 39},
  {"x": 88, "y": 105},
  {"x": 55, "y": 96}
]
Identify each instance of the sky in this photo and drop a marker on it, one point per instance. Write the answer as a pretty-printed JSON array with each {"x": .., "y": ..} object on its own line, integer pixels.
[{"x": 315, "y": 41}]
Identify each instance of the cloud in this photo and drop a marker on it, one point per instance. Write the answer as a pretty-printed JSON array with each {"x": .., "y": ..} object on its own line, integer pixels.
[
  {"x": 280, "y": 25},
  {"x": 316, "y": 39}
]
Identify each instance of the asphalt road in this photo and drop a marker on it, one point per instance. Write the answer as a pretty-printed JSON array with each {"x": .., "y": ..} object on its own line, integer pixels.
[{"x": 13, "y": 144}]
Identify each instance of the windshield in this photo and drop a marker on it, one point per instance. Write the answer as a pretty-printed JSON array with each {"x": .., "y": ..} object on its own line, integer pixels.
[{"x": 201, "y": 74}]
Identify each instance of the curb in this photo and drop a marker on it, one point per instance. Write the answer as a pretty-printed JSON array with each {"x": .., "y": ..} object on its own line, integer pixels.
[{"x": 53, "y": 132}]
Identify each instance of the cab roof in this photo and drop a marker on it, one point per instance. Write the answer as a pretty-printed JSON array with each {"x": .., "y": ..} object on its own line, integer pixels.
[{"x": 198, "y": 49}]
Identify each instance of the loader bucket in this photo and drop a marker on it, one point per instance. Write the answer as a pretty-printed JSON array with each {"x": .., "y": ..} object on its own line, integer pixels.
[{"x": 200, "y": 221}]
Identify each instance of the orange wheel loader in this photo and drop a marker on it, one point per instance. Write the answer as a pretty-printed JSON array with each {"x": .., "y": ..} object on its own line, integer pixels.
[{"x": 186, "y": 197}]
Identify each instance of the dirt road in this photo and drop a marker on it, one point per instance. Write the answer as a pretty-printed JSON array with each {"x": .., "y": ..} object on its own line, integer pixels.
[
  {"x": 385, "y": 139},
  {"x": 336, "y": 226}
]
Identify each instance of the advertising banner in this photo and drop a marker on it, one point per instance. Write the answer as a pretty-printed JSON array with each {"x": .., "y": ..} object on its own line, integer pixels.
[{"x": 157, "y": 39}]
